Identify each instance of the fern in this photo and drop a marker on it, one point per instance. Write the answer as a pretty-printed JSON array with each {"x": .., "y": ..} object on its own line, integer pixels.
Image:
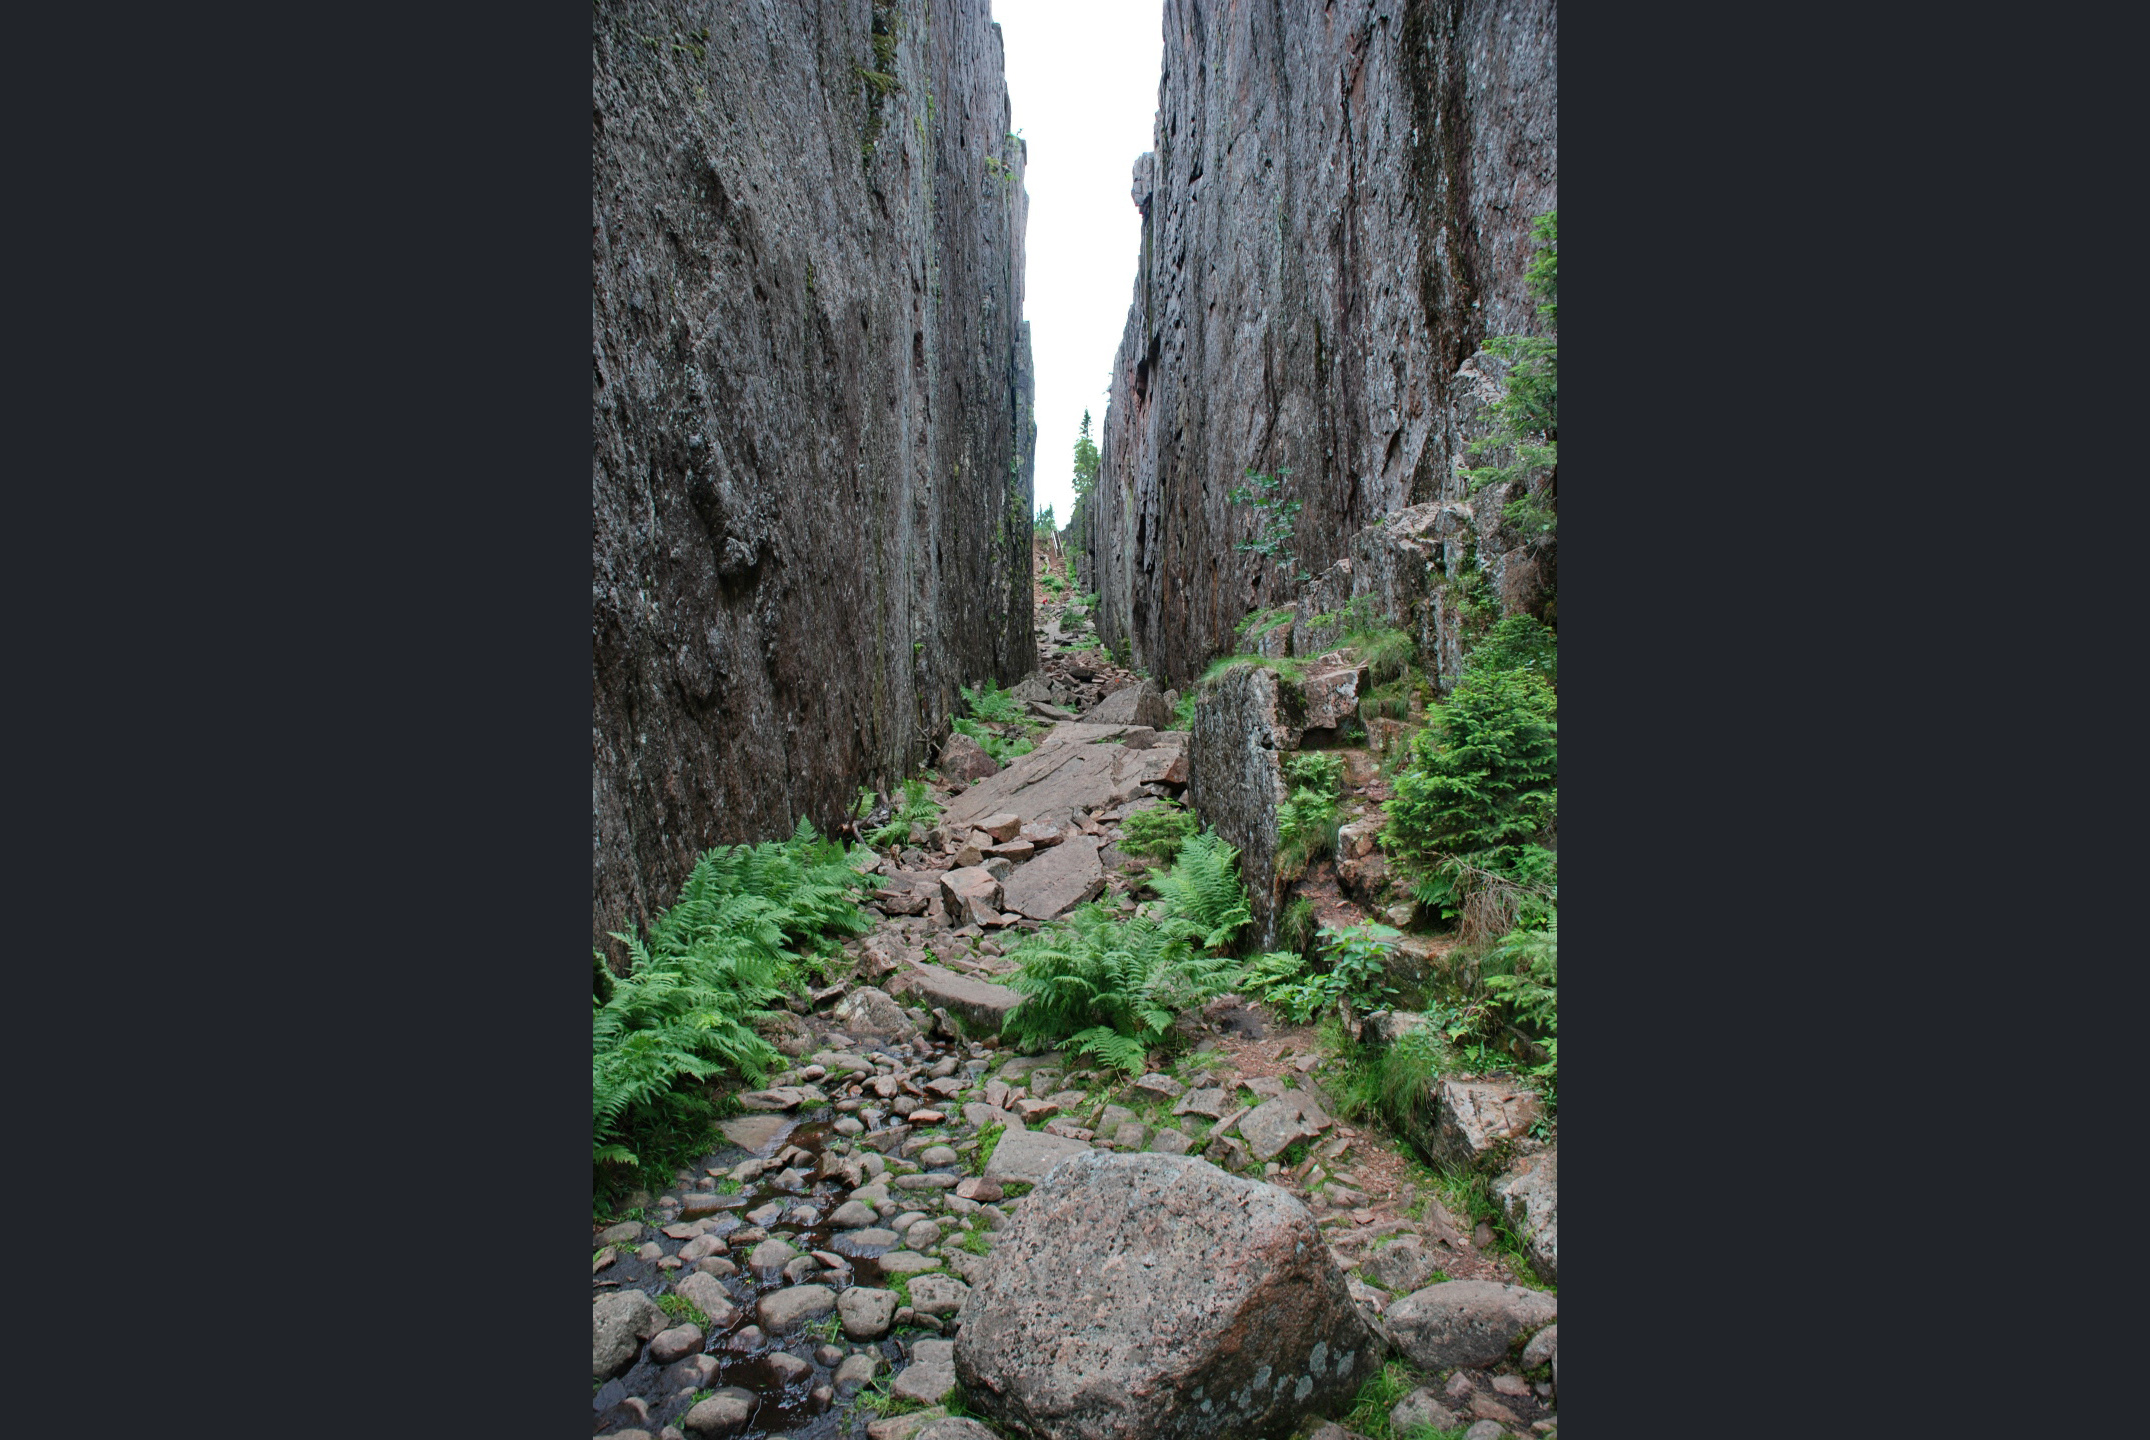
[
  {"x": 918, "y": 808},
  {"x": 1202, "y": 892},
  {"x": 707, "y": 968},
  {"x": 1159, "y": 831},
  {"x": 993, "y": 704}
]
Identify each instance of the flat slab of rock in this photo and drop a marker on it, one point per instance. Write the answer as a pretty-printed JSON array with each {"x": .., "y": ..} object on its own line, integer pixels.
[
  {"x": 1270, "y": 1127},
  {"x": 938, "y": 1295},
  {"x": 1027, "y": 1156},
  {"x": 1185, "y": 1280},
  {"x": 1466, "y": 1322},
  {"x": 758, "y": 1133},
  {"x": 1058, "y": 880},
  {"x": 906, "y": 1263},
  {"x": 1478, "y": 1121},
  {"x": 1213, "y": 1101},
  {"x": 1531, "y": 1197},
  {"x": 930, "y": 1375},
  {"x": 982, "y": 1004},
  {"x": 785, "y": 1310}
]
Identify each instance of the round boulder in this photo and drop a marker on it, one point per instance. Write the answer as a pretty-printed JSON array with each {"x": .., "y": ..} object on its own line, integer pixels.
[
  {"x": 619, "y": 1323},
  {"x": 785, "y": 1310},
  {"x": 1466, "y": 1322},
  {"x": 1157, "y": 1296}
]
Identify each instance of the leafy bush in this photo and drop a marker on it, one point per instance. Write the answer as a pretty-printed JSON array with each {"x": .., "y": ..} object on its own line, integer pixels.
[
  {"x": 1159, "y": 831},
  {"x": 1356, "y": 958},
  {"x": 1526, "y": 419},
  {"x": 1110, "y": 987},
  {"x": 1523, "y": 972},
  {"x": 707, "y": 968},
  {"x": 918, "y": 808},
  {"x": 1519, "y": 643},
  {"x": 1001, "y": 747}
]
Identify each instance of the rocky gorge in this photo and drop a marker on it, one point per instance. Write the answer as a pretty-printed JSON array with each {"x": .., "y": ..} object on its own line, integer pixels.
[{"x": 1312, "y": 1196}]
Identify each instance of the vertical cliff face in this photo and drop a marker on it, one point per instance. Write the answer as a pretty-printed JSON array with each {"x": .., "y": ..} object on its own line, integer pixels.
[
  {"x": 812, "y": 452},
  {"x": 1336, "y": 215}
]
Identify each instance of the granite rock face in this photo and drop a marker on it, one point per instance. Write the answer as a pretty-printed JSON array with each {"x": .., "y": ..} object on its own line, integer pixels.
[
  {"x": 1336, "y": 216},
  {"x": 1208, "y": 1305},
  {"x": 1242, "y": 725},
  {"x": 812, "y": 449}
]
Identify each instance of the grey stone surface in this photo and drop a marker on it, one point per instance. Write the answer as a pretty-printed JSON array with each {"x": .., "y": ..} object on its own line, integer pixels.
[
  {"x": 869, "y": 1011},
  {"x": 851, "y": 1215},
  {"x": 1354, "y": 184},
  {"x": 812, "y": 446},
  {"x": 724, "y": 1413},
  {"x": 619, "y": 1323},
  {"x": 1187, "y": 1280},
  {"x": 1027, "y": 1155},
  {"x": 1243, "y": 721},
  {"x": 1138, "y": 704},
  {"x": 1477, "y": 1122},
  {"x": 1270, "y": 1127},
  {"x": 1057, "y": 881},
  {"x": 938, "y": 1295},
  {"x": 972, "y": 895},
  {"x": 667, "y": 1346},
  {"x": 782, "y": 1311},
  {"x": 982, "y": 1004},
  {"x": 954, "y": 1427},
  {"x": 1401, "y": 1267},
  {"x": 1541, "y": 1347},
  {"x": 1530, "y": 1195},
  {"x": 858, "y": 1371},
  {"x": 1466, "y": 1322},
  {"x": 906, "y": 1263},
  {"x": 930, "y": 1375},
  {"x": 706, "y": 1293},
  {"x": 963, "y": 758},
  {"x": 1421, "y": 1407},
  {"x": 867, "y": 1313}
]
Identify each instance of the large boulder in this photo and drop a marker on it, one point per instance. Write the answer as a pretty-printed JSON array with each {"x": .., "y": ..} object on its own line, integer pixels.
[
  {"x": 1531, "y": 1197},
  {"x": 1466, "y": 1322},
  {"x": 619, "y": 1323},
  {"x": 1141, "y": 703},
  {"x": 1138, "y": 1296},
  {"x": 963, "y": 758}
]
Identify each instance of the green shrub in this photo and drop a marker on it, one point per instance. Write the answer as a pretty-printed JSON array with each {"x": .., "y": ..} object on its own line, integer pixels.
[
  {"x": 1251, "y": 630},
  {"x": 1526, "y": 419},
  {"x": 1202, "y": 892},
  {"x": 1001, "y": 747},
  {"x": 1480, "y": 788},
  {"x": 1522, "y": 972},
  {"x": 1519, "y": 643},
  {"x": 993, "y": 705},
  {"x": 1159, "y": 831},
  {"x": 1354, "y": 967},
  {"x": 1387, "y": 654},
  {"x": 706, "y": 969}
]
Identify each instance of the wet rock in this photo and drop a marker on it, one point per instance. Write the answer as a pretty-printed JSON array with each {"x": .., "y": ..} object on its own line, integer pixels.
[
  {"x": 851, "y": 1215},
  {"x": 716, "y": 1265},
  {"x": 702, "y": 1245},
  {"x": 693, "y": 1373},
  {"x": 783, "y": 1311},
  {"x": 937, "y": 1295},
  {"x": 724, "y": 1413},
  {"x": 619, "y": 1323},
  {"x": 770, "y": 1257},
  {"x": 1402, "y": 1267},
  {"x": 788, "y": 1369},
  {"x": 938, "y": 1155},
  {"x": 1057, "y": 881},
  {"x": 980, "y": 1189},
  {"x": 930, "y": 1375},
  {"x": 1466, "y": 1322},
  {"x": 1270, "y": 1127},
  {"x": 624, "y": 1233},
  {"x": 872, "y": 1238},
  {"x": 922, "y": 1235},
  {"x": 867, "y": 1313},
  {"x": 1188, "y": 1279},
  {"x": 1421, "y": 1407},
  {"x": 707, "y": 1294},
  {"x": 1530, "y": 1196},
  {"x": 963, "y": 758},
  {"x": 1479, "y": 1121},
  {"x": 858, "y": 1371},
  {"x": 800, "y": 1267},
  {"x": 679, "y": 1341},
  {"x": 1027, "y": 1155},
  {"x": 906, "y": 1263}
]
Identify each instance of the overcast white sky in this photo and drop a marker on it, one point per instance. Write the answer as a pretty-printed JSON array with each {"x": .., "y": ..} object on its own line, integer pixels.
[{"x": 1082, "y": 83}]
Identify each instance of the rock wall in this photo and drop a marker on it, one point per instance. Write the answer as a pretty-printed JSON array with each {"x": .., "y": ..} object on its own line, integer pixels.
[
  {"x": 812, "y": 445},
  {"x": 1336, "y": 215}
]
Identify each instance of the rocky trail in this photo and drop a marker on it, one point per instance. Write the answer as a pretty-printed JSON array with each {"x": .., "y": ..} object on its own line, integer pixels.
[{"x": 812, "y": 1276}]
